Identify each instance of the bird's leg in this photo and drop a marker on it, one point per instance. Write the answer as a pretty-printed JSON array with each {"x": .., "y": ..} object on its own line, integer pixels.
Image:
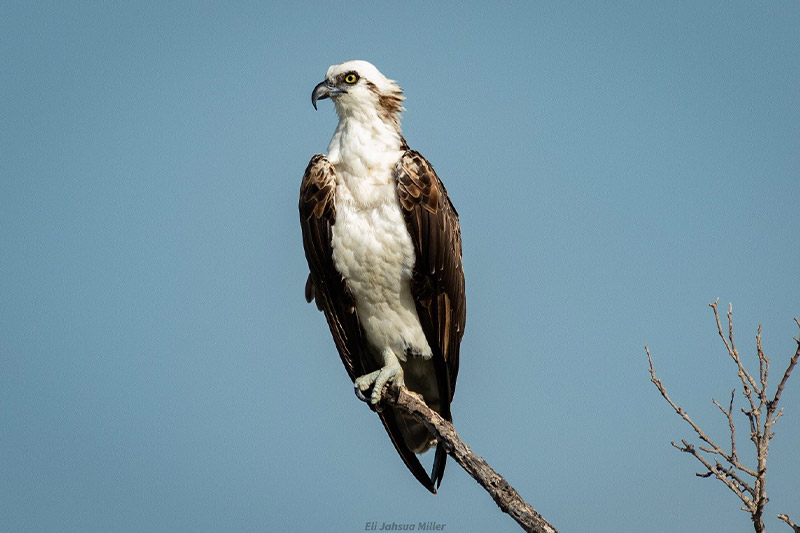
[{"x": 391, "y": 372}]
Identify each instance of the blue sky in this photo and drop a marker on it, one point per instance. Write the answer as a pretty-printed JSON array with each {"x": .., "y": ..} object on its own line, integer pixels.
[{"x": 616, "y": 168}]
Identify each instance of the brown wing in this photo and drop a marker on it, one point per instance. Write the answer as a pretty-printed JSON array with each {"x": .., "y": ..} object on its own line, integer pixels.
[
  {"x": 328, "y": 288},
  {"x": 325, "y": 284},
  {"x": 438, "y": 281}
]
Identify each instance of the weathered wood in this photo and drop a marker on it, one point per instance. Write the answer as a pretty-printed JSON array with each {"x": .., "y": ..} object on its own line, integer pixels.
[{"x": 502, "y": 493}]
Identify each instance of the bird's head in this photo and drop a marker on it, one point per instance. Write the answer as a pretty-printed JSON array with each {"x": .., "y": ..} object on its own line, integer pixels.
[{"x": 357, "y": 88}]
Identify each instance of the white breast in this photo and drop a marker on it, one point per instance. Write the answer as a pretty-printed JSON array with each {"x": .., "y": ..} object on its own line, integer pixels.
[{"x": 371, "y": 245}]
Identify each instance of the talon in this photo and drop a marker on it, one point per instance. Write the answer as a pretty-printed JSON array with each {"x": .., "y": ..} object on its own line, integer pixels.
[
  {"x": 360, "y": 395},
  {"x": 388, "y": 374},
  {"x": 391, "y": 373},
  {"x": 364, "y": 382}
]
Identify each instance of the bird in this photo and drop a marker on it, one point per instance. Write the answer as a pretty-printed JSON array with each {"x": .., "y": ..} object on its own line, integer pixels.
[{"x": 383, "y": 245}]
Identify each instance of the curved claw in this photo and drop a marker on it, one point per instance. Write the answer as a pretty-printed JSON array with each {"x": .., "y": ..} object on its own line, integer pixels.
[{"x": 360, "y": 394}]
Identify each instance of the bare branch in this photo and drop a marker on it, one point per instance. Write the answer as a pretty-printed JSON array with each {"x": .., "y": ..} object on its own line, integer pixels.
[
  {"x": 713, "y": 305},
  {"x": 713, "y": 469},
  {"x": 792, "y": 362},
  {"x": 729, "y": 416},
  {"x": 504, "y": 495},
  {"x": 747, "y": 380},
  {"x": 730, "y": 328},
  {"x": 785, "y": 518},
  {"x": 763, "y": 362},
  {"x": 697, "y": 429},
  {"x": 754, "y": 497}
]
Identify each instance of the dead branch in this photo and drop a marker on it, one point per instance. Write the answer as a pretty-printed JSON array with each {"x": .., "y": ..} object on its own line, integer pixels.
[
  {"x": 785, "y": 518},
  {"x": 762, "y": 414},
  {"x": 502, "y": 493}
]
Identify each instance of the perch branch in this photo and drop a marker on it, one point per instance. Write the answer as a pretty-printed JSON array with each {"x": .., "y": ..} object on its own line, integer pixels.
[{"x": 502, "y": 493}]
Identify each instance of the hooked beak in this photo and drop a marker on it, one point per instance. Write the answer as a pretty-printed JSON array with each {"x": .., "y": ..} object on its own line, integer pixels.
[{"x": 324, "y": 90}]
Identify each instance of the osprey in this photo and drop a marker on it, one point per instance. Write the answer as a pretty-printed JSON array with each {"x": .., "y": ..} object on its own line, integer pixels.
[{"x": 383, "y": 245}]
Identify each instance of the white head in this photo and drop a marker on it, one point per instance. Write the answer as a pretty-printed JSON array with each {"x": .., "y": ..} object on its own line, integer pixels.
[{"x": 359, "y": 90}]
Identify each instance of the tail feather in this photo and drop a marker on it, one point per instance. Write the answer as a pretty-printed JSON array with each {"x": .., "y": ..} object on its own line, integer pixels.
[
  {"x": 439, "y": 462},
  {"x": 409, "y": 457}
]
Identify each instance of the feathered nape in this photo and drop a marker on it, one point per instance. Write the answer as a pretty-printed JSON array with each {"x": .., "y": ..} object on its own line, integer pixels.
[{"x": 390, "y": 104}]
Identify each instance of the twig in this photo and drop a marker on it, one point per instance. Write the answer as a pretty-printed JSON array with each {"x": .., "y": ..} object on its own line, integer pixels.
[
  {"x": 785, "y": 518},
  {"x": 728, "y": 414},
  {"x": 747, "y": 379},
  {"x": 504, "y": 495},
  {"x": 792, "y": 363},
  {"x": 697, "y": 429}
]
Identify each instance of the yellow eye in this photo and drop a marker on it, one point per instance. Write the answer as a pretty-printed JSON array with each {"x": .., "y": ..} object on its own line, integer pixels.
[{"x": 351, "y": 78}]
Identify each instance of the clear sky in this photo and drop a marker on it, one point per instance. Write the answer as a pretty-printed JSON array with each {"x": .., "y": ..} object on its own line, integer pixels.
[{"x": 616, "y": 168}]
